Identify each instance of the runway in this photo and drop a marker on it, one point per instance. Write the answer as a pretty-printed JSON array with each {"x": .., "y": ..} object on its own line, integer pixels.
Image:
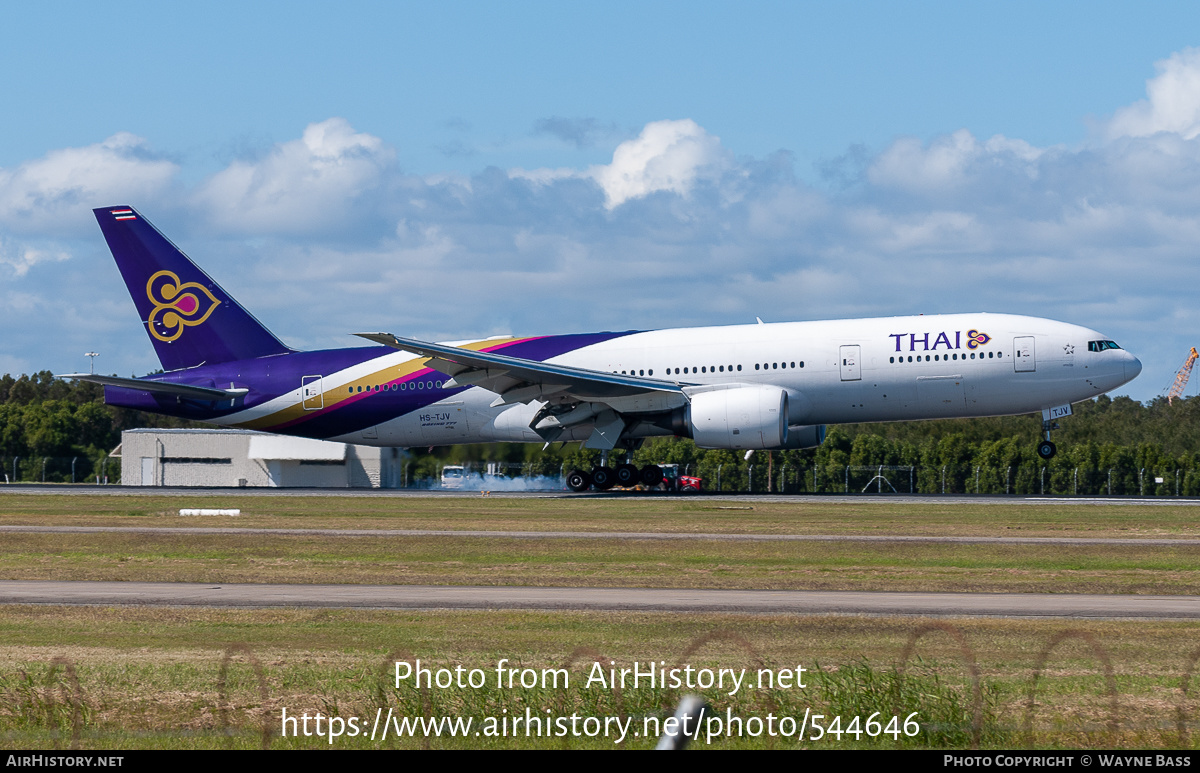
[
  {"x": 600, "y": 599},
  {"x": 596, "y": 535}
]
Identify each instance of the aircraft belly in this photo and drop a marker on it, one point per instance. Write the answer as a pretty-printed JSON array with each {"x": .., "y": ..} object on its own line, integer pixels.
[
  {"x": 895, "y": 400},
  {"x": 941, "y": 396}
]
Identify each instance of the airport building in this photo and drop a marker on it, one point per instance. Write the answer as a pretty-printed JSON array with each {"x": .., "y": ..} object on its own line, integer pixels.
[{"x": 237, "y": 457}]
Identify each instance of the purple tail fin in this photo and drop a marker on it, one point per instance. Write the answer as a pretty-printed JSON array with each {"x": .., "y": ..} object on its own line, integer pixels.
[{"x": 189, "y": 318}]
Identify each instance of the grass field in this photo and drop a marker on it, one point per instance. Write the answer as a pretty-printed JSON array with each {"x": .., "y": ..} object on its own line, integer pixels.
[
  {"x": 711, "y": 515},
  {"x": 141, "y": 678}
]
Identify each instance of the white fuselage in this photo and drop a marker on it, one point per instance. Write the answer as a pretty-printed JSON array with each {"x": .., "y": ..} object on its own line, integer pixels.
[{"x": 835, "y": 372}]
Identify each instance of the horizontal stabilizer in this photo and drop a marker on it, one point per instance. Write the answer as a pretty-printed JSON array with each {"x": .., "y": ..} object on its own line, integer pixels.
[{"x": 160, "y": 387}]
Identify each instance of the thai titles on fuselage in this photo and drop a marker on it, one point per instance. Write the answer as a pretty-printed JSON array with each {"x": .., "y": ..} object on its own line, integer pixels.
[{"x": 956, "y": 339}]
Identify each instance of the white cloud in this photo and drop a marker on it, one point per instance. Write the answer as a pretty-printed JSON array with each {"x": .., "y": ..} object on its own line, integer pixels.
[
  {"x": 666, "y": 156},
  {"x": 1172, "y": 103},
  {"x": 950, "y": 161},
  {"x": 304, "y": 185},
  {"x": 58, "y": 190},
  {"x": 20, "y": 259}
]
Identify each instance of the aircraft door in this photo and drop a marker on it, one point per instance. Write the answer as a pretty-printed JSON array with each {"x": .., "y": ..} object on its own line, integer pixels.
[
  {"x": 311, "y": 394},
  {"x": 851, "y": 370},
  {"x": 1023, "y": 353}
]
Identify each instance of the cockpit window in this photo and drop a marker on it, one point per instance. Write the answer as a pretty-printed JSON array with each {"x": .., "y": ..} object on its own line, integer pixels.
[{"x": 1099, "y": 346}]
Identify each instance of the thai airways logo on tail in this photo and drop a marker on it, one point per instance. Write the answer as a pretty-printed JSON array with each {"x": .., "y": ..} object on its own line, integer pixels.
[
  {"x": 177, "y": 301},
  {"x": 174, "y": 307}
]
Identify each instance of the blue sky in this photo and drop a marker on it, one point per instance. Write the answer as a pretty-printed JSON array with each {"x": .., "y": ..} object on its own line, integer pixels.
[{"x": 459, "y": 169}]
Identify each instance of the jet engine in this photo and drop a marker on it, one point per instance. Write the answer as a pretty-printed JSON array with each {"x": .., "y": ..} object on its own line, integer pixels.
[{"x": 749, "y": 417}]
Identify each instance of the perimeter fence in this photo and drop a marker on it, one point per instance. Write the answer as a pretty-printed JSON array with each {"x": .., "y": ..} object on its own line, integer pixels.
[
  {"x": 60, "y": 469},
  {"x": 1048, "y": 480}
]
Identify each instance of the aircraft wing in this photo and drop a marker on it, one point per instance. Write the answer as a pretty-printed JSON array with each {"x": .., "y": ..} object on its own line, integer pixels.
[
  {"x": 490, "y": 370},
  {"x": 160, "y": 387},
  {"x": 572, "y": 396}
]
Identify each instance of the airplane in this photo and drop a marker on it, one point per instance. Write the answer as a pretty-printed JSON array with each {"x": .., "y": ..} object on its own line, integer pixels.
[{"x": 740, "y": 387}]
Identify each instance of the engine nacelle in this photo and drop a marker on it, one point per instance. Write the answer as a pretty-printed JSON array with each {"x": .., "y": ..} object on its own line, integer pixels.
[
  {"x": 807, "y": 436},
  {"x": 750, "y": 417}
]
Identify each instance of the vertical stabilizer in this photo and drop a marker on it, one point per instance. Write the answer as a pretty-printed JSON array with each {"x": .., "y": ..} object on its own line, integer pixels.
[{"x": 189, "y": 318}]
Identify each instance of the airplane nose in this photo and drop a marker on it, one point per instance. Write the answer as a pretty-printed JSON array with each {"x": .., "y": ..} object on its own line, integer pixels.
[{"x": 1133, "y": 366}]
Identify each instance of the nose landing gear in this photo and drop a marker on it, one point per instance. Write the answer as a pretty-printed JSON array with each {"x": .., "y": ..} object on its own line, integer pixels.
[{"x": 1046, "y": 449}]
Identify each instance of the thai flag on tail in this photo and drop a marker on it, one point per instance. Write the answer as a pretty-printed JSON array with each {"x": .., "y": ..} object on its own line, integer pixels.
[{"x": 123, "y": 214}]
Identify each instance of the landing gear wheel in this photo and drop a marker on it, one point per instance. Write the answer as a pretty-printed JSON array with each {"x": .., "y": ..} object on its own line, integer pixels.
[
  {"x": 651, "y": 475},
  {"x": 603, "y": 478},
  {"x": 578, "y": 480},
  {"x": 627, "y": 475},
  {"x": 1046, "y": 449}
]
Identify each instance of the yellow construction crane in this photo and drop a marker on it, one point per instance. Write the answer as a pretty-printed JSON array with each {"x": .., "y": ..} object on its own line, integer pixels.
[{"x": 1181, "y": 377}]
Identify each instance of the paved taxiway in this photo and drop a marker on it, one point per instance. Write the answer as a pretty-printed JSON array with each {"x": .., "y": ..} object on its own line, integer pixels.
[{"x": 596, "y": 599}]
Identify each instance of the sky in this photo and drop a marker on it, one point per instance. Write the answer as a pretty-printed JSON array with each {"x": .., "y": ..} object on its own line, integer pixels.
[{"x": 461, "y": 169}]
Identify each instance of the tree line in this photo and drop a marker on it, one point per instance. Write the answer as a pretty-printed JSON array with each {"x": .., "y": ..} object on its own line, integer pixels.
[{"x": 45, "y": 423}]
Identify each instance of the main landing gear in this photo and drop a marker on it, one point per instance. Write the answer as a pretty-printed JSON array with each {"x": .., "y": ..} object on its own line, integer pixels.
[{"x": 604, "y": 477}]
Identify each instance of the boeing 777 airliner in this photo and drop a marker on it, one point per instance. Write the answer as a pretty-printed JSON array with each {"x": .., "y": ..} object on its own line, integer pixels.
[{"x": 763, "y": 386}]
